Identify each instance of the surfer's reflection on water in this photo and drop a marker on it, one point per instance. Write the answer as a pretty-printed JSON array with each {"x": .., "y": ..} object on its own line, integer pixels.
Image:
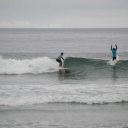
[
  {"x": 63, "y": 75},
  {"x": 114, "y": 74}
]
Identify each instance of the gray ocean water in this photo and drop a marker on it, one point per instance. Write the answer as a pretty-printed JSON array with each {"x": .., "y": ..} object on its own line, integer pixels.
[{"x": 31, "y": 82}]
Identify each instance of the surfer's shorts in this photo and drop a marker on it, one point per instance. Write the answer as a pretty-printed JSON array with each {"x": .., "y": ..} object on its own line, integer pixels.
[
  {"x": 59, "y": 61},
  {"x": 114, "y": 58}
]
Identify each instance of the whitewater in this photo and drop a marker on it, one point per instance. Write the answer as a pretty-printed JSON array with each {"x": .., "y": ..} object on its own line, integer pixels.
[
  {"x": 34, "y": 66},
  {"x": 17, "y": 95}
]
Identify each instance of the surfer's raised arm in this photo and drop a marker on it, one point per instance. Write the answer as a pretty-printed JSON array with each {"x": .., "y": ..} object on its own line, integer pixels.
[
  {"x": 116, "y": 46},
  {"x": 111, "y": 47}
]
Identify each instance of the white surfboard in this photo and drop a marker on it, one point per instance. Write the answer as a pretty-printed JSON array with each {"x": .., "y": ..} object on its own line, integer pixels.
[{"x": 113, "y": 62}]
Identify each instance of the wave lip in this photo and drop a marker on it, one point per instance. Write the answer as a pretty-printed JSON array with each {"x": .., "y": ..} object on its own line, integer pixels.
[{"x": 34, "y": 66}]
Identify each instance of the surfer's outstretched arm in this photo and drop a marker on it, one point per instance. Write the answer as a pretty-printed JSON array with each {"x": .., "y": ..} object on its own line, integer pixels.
[
  {"x": 116, "y": 46},
  {"x": 62, "y": 58},
  {"x": 111, "y": 47}
]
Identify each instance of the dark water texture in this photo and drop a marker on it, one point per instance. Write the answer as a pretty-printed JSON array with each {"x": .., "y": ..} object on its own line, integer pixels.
[{"x": 82, "y": 68}]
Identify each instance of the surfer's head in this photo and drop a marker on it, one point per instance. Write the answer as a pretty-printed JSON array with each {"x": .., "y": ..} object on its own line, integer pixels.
[
  {"x": 114, "y": 49},
  {"x": 62, "y": 53}
]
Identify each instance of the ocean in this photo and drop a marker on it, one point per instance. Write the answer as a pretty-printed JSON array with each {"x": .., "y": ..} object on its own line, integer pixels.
[{"x": 35, "y": 94}]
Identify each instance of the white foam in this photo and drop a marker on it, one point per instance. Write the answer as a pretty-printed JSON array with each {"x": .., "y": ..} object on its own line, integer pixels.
[
  {"x": 16, "y": 95},
  {"x": 112, "y": 63},
  {"x": 34, "y": 66}
]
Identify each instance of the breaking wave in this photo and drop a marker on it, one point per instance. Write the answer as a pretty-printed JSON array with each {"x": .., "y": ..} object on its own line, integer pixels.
[
  {"x": 79, "y": 67},
  {"x": 34, "y": 66}
]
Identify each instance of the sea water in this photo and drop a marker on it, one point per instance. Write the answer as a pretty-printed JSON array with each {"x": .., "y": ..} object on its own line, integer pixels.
[{"x": 31, "y": 84}]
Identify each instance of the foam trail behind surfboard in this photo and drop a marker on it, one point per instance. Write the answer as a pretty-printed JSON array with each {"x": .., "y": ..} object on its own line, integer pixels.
[{"x": 111, "y": 62}]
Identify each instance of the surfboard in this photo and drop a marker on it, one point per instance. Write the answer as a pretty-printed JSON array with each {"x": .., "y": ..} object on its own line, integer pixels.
[
  {"x": 63, "y": 69},
  {"x": 113, "y": 62}
]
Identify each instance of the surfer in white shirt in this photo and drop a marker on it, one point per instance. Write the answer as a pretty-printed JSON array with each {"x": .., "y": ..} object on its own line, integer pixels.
[{"x": 59, "y": 59}]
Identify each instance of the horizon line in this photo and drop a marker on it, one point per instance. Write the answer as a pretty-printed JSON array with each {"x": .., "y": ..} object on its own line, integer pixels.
[{"x": 68, "y": 28}]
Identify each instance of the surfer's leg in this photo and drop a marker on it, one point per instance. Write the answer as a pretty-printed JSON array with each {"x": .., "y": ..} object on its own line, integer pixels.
[
  {"x": 57, "y": 60},
  {"x": 60, "y": 63},
  {"x": 114, "y": 58}
]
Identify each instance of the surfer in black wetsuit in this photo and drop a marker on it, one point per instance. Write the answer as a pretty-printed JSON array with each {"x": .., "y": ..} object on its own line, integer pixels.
[
  {"x": 59, "y": 59},
  {"x": 114, "y": 52}
]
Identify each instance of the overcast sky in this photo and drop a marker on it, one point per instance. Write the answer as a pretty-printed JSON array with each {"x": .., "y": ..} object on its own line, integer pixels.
[{"x": 63, "y": 13}]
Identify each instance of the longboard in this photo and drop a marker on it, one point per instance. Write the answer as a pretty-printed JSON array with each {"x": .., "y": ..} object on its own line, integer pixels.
[{"x": 64, "y": 69}]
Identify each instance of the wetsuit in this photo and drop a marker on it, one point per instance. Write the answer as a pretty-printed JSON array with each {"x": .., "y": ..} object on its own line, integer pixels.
[
  {"x": 59, "y": 60},
  {"x": 114, "y": 53}
]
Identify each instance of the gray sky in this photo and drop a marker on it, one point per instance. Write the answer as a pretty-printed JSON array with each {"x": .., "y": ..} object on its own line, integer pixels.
[{"x": 63, "y": 13}]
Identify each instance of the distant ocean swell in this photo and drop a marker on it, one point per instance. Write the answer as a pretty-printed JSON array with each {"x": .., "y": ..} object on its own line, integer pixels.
[{"x": 15, "y": 95}]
